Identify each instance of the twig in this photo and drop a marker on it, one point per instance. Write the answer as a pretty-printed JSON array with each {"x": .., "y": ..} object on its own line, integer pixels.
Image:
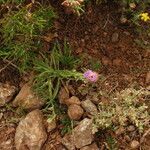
[
  {"x": 144, "y": 135},
  {"x": 4, "y": 67},
  {"x": 113, "y": 89},
  {"x": 106, "y": 21},
  {"x": 9, "y": 63},
  {"x": 65, "y": 86}
]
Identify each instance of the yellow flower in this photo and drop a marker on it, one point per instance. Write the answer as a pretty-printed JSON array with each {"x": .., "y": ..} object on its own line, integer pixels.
[{"x": 144, "y": 16}]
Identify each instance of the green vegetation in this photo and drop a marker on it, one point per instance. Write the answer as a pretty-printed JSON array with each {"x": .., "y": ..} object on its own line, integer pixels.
[
  {"x": 11, "y": 1},
  {"x": 112, "y": 143},
  {"x": 95, "y": 64},
  {"x": 125, "y": 107},
  {"x": 50, "y": 73},
  {"x": 75, "y": 6},
  {"x": 65, "y": 56},
  {"x": 67, "y": 125},
  {"x": 21, "y": 33},
  {"x": 22, "y": 29}
]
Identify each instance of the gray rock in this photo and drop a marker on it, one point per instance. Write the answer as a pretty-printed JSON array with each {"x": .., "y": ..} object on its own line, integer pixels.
[
  {"x": 68, "y": 142},
  {"x": 30, "y": 133},
  {"x": 89, "y": 107},
  {"x": 27, "y": 99},
  {"x": 90, "y": 147},
  {"x": 115, "y": 37},
  {"x": 6, "y": 93},
  {"x": 95, "y": 100},
  {"x": 94, "y": 97},
  {"x": 82, "y": 134}
]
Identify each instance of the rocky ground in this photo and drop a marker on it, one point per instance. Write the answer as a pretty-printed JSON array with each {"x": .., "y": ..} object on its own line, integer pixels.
[{"x": 96, "y": 36}]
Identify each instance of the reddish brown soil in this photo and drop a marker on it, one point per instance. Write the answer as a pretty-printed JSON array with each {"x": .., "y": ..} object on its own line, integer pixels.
[
  {"x": 92, "y": 33},
  {"x": 123, "y": 62}
]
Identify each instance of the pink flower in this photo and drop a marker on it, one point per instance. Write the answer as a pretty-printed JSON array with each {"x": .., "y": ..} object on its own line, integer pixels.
[{"x": 91, "y": 75}]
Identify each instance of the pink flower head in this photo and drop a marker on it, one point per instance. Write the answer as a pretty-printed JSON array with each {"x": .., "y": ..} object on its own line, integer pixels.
[{"x": 91, "y": 75}]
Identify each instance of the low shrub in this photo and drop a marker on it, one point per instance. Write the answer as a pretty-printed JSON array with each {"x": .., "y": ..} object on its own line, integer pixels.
[{"x": 126, "y": 107}]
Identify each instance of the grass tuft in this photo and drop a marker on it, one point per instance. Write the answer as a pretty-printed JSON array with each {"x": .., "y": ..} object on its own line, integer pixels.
[
  {"x": 50, "y": 74},
  {"x": 21, "y": 30}
]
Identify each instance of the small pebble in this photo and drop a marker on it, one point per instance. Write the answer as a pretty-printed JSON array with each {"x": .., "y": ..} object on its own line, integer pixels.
[
  {"x": 123, "y": 20},
  {"x": 147, "y": 77},
  {"x": 8, "y": 142},
  {"x": 134, "y": 144},
  {"x": 120, "y": 131},
  {"x": 12, "y": 125},
  {"x": 132, "y": 5},
  {"x": 126, "y": 33},
  {"x": 3, "y": 109},
  {"x": 131, "y": 128},
  {"x": 115, "y": 37},
  {"x": 89, "y": 107},
  {"x": 127, "y": 138},
  {"x": 117, "y": 62},
  {"x": 3, "y": 122},
  {"x": 1, "y": 115},
  {"x": 106, "y": 61},
  {"x": 79, "y": 50}
]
